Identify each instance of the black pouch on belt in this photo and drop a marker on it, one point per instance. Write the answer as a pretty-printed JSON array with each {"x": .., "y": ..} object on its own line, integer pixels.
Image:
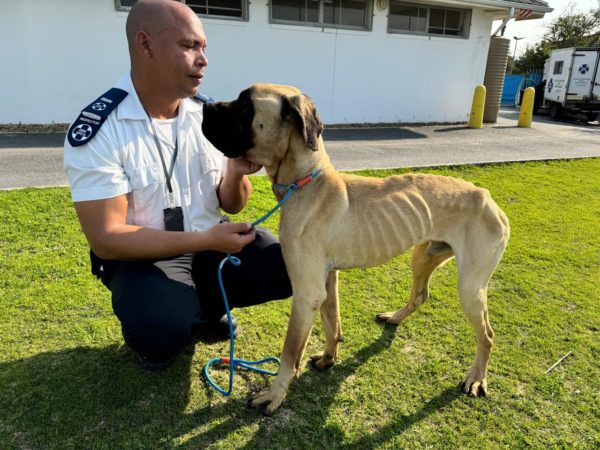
[{"x": 173, "y": 219}]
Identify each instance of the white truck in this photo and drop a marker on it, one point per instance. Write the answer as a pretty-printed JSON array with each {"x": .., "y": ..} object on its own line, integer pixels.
[{"x": 571, "y": 82}]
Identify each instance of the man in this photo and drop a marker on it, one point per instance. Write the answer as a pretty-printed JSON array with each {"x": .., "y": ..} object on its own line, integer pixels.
[{"x": 147, "y": 187}]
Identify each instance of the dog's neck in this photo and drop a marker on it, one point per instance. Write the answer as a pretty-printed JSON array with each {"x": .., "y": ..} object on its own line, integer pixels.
[{"x": 292, "y": 167}]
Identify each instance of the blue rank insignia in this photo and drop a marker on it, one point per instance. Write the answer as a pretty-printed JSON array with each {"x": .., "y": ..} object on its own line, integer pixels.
[
  {"x": 202, "y": 98},
  {"x": 93, "y": 116}
]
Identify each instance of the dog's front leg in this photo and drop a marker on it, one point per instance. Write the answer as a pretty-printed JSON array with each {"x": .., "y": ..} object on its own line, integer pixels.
[
  {"x": 330, "y": 317},
  {"x": 304, "y": 309}
]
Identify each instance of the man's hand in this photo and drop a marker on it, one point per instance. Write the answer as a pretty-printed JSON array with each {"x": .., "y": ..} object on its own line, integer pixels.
[
  {"x": 230, "y": 237},
  {"x": 235, "y": 187},
  {"x": 242, "y": 166}
]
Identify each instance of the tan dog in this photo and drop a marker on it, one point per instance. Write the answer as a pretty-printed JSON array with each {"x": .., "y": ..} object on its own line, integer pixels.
[{"x": 340, "y": 221}]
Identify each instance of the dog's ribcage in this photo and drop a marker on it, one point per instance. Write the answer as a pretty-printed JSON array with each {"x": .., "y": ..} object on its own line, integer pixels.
[{"x": 395, "y": 213}]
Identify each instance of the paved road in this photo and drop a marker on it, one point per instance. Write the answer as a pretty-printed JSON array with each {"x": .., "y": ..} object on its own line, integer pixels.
[{"x": 36, "y": 159}]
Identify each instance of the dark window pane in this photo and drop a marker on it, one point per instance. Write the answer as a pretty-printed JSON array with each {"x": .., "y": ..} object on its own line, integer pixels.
[
  {"x": 436, "y": 18},
  {"x": 405, "y": 17},
  {"x": 223, "y": 8},
  {"x": 331, "y": 11},
  {"x": 354, "y": 13},
  {"x": 312, "y": 11},
  {"x": 296, "y": 10},
  {"x": 453, "y": 19},
  {"x": 335, "y": 12},
  {"x": 288, "y": 10}
]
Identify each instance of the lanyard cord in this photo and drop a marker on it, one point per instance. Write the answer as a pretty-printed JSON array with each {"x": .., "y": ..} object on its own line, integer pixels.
[{"x": 168, "y": 174}]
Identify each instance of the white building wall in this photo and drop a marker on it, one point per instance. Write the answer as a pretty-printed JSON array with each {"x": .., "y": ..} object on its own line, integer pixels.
[{"x": 56, "y": 56}]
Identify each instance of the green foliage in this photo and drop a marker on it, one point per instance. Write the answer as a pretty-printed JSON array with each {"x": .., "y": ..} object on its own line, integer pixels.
[
  {"x": 570, "y": 29},
  {"x": 68, "y": 382}
]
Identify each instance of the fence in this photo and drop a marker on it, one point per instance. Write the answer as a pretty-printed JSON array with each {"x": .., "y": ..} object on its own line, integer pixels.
[{"x": 512, "y": 83}]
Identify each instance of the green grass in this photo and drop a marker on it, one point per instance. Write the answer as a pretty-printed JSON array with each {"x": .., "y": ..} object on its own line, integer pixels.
[{"x": 67, "y": 381}]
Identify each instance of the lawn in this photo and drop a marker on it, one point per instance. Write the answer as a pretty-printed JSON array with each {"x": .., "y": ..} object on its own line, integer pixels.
[{"x": 67, "y": 381}]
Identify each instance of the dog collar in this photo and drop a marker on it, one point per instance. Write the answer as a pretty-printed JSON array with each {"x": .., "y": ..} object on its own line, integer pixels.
[
  {"x": 299, "y": 183},
  {"x": 290, "y": 188}
]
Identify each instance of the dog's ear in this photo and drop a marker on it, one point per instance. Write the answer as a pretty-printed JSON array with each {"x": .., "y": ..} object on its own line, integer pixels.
[{"x": 306, "y": 119}]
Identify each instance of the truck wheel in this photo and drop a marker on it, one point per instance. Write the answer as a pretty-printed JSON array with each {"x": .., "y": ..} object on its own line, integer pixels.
[
  {"x": 592, "y": 117},
  {"x": 556, "y": 112}
]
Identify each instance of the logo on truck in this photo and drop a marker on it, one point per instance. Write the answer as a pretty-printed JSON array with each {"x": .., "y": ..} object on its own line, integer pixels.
[{"x": 584, "y": 69}]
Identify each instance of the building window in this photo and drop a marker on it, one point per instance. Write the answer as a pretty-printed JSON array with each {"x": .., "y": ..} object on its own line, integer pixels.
[
  {"x": 352, "y": 14},
  {"x": 413, "y": 18},
  {"x": 222, "y": 9}
]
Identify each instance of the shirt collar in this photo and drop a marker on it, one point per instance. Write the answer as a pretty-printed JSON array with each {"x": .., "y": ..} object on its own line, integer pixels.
[{"x": 131, "y": 107}]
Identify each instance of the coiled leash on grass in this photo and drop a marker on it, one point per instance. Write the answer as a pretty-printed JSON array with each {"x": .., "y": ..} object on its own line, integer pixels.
[{"x": 233, "y": 362}]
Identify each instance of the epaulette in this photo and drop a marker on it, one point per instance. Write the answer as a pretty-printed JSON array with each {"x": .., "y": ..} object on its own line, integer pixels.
[
  {"x": 93, "y": 116},
  {"x": 202, "y": 98}
]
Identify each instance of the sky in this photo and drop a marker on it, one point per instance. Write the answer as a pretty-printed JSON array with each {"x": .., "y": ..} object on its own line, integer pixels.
[{"x": 532, "y": 30}]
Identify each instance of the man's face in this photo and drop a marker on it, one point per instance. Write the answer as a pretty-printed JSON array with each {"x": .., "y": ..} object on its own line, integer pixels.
[{"x": 180, "y": 58}]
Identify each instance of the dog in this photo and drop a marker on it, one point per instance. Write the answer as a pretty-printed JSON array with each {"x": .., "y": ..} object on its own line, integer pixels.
[{"x": 339, "y": 221}]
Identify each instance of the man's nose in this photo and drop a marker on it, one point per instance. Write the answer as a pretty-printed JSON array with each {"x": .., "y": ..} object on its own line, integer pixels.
[{"x": 202, "y": 60}]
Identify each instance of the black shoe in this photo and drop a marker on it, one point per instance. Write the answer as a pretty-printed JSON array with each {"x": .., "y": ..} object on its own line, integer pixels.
[
  {"x": 219, "y": 329},
  {"x": 154, "y": 366}
]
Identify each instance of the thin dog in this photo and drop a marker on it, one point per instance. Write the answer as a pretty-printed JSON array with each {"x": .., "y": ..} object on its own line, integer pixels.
[{"x": 340, "y": 221}]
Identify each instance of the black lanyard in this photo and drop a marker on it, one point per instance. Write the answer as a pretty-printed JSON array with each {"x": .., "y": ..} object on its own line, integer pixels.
[{"x": 169, "y": 173}]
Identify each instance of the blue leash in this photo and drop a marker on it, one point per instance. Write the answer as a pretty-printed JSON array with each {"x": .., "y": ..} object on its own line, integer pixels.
[{"x": 233, "y": 362}]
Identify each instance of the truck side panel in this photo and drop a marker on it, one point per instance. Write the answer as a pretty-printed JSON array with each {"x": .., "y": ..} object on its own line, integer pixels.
[{"x": 582, "y": 75}]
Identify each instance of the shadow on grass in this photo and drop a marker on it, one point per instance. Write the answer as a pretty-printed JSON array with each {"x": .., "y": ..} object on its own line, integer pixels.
[
  {"x": 313, "y": 398},
  {"x": 87, "y": 398},
  {"x": 81, "y": 397}
]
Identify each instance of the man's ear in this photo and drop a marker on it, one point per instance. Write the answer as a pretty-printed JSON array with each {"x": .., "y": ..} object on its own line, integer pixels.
[
  {"x": 306, "y": 119},
  {"x": 142, "y": 40}
]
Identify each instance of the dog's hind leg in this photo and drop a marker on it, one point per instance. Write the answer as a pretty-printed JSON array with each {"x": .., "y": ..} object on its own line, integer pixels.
[
  {"x": 330, "y": 317},
  {"x": 475, "y": 268},
  {"x": 426, "y": 257}
]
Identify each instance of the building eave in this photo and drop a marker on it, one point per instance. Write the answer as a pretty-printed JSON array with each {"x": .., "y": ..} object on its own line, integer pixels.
[{"x": 501, "y": 9}]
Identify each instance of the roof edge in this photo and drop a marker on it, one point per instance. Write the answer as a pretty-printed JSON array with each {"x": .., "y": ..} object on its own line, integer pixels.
[{"x": 513, "y": 4}]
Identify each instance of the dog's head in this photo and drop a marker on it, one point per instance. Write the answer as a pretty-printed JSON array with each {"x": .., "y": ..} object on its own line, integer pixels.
[{"x": 263, "y": 123}]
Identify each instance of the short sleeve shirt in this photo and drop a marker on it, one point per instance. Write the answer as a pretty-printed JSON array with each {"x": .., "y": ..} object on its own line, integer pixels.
[{"x": 123, "y": 159}]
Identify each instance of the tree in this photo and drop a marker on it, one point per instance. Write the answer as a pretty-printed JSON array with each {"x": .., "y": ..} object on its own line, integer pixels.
[{"x": 570, "y": 29}]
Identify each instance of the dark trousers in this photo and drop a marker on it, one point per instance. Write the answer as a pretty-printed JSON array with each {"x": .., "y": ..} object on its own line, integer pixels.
[{"x": 161, "y": 304}]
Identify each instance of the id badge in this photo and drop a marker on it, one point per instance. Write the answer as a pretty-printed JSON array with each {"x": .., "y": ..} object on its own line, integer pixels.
[{"x": 173, "y": 219}]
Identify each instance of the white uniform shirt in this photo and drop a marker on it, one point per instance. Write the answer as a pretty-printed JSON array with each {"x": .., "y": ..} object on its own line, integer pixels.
[{"x": 123, "y": 159}]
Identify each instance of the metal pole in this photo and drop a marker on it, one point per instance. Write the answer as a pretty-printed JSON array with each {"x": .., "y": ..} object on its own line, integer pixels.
[{"x": 517, "y": 39}]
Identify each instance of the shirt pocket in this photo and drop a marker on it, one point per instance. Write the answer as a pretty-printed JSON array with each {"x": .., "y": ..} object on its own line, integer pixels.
[
  {"x": 147, "y": 184},
  {"x": 209, "y": 167}
]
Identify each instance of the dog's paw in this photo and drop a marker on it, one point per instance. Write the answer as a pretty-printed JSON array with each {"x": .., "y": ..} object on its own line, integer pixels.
[
  {"x": 321, "y": 361},
  {"x": 268, "y": 400},
  {"x": 388, "y": 317},
  {"x": 474, "y": 384}
]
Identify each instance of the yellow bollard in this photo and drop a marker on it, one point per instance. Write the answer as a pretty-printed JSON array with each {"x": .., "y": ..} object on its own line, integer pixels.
[
  {"x": 526, "y": 114},
  {"x": 476, "y": 118}
]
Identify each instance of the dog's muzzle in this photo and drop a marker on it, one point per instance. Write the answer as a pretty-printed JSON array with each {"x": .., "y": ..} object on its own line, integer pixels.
[{"x": 226, "y": 130}]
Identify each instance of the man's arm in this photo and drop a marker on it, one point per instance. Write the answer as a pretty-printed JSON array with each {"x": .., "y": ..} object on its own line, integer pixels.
[
  {"x": 235, "y": 188},
  {"x": 110, "y": 237}
]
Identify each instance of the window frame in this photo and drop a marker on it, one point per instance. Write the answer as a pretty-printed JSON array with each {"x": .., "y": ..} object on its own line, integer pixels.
[
  {"x": 467, "y": 17},
  {"x": 245, "y": 17},
  {"x": 368, "y": 14},
  {"x": 558, "y": 67}
]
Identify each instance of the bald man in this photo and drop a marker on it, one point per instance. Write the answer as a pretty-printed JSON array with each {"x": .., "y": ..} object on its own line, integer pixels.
[{"x": 148, "y": 189}]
